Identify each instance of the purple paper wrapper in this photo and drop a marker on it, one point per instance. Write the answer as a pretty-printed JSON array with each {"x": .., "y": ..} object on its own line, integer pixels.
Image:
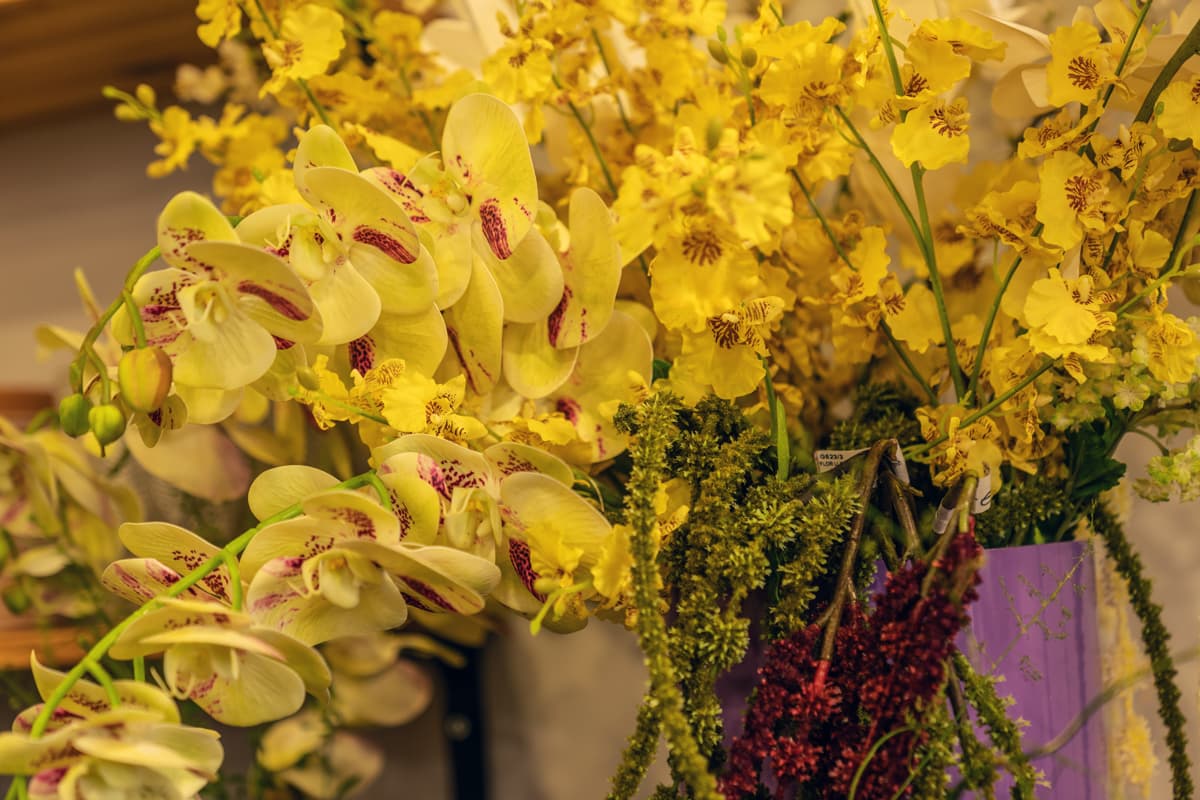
[{"x": 1034, "y": 624}]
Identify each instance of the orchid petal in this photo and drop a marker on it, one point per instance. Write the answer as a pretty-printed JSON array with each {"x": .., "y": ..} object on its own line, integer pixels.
[
  {"x": 434, "y": 578},
  {"x": 198, "y": 459},
  {"x": 485, "y": 149},
  {"x": 177, "y": 548},
  {"x": 419, "y": 339},
  {"x": 475, "y": 326},
  {"x": 449, "y": 466},
  {"x": 532, "y": 365},
  {"x": 345, "y": 514},
  {"x": 416, "y": 503},
  {"x": 278, "y": 488},
  {"x": 268, "y": 290},
  {"x": 275, "y": 601},
  {"x": 592, "y": 271},
  {"x": 510, "y": 458},
  {"x": 206, "y": 405},
  {"x": 319, "y": 147},
  {"x": 186, "y": 219},
  {"x": 530, "y": 280},
  {"x": 229, "y": 349},
  {"x": 532, "y": 500}
]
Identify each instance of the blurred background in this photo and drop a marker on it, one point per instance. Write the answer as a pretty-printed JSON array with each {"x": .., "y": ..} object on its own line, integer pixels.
[{"x": 75, "y": 194}]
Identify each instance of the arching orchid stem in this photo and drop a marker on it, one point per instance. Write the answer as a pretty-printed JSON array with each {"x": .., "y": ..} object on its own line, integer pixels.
[
  {"x": 101, "y": 648},
  {"x": 385, "y": 496},
  {"x": 135, "y": 318},
  {"x": 235, "y": 580},
  {"x": 86, "y": 349},
  {"x": 105, "y": 680}
]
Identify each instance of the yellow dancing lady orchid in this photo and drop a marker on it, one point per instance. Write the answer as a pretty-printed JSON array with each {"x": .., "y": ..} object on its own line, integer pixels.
[{"x": 94, "y": 750}]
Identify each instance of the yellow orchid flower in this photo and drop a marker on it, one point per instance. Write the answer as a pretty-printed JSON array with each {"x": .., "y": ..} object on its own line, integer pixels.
[
  {"x": 239, "y": 673},
  {"x": 552, "y": 539},
  {"x": 306, "y": 753},
  {"x": 223, "y": 308},
  {"x": 96, "y": 750},
  {"x": 347, "y": 565}
]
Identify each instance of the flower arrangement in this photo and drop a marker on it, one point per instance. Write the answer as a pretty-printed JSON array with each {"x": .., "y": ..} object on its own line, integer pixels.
[{"x": 672, "y": 314}]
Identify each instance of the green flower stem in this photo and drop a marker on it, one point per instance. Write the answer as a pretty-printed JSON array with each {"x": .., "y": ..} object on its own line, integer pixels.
[
  {"x": 385, "y": 495},
  {"x": 596, "y": 151},
  {"x": 1156, "y": 640},
  {"x": 650, "y": 461},
  {"x": 973, "y": 386},
  {"x": 901, "y": 353},
  {"x": 639, "y": 752},
  {"x": 105, "y": 680},
  {"x": 935, "y": 281},
  {"x": 608, "y": 70},
  {"x": 1181, "y": 235},
  {"x": 101, "y": 648},
  {"x": 591, "y": 137},
  {"x": 1110, "y": 692},
  {"x": 888, "y": 183},
  {"x": 903, "y": 510},
  {"x": 135, "y": 318},
  {"x": 779, "y": 432},
  {"x": 303, "y": 84},
  {"x": 421, "y": 113},
  {"x": 926, "y": 235},
  {"x": 235, "y": 580},
  {"x": 1189, "y": 47},
  {"x": 862, "y": 768},
  {"x": 1003, "y": 733},
  {"x": 87, "y": 348},
  {"x": 139, "y": 669},
  {"x": 963, "y": 494}
]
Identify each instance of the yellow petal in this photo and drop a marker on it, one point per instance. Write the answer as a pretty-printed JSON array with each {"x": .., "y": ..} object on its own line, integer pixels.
[
  {"x": 474, "y": 326},
  {"x": 532, "y": 365},
  {"x": 591, "y": 270},
  {"x": 484, "y": 148}
]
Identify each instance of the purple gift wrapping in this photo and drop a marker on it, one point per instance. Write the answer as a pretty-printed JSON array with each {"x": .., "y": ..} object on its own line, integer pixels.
[{"x": 1034, "y": 624}]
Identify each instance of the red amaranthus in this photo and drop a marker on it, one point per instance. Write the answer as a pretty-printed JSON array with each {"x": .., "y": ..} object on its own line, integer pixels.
[{"x": 811, "y": 723}]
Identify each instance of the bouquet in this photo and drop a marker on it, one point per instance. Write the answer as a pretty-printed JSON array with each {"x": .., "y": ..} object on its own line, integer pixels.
[{"x": 683, "y": 316}]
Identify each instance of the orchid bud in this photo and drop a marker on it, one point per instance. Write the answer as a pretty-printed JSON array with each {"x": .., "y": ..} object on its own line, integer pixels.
[
  {"x": 144, "y": 376},
  {"x": 308, "y": 379},
  {"x": 73, "y": 414},
  {"x": 749, "y": 57},
  {"x": 718, "y": 52},
  {"x": 107, "y": 423}
]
